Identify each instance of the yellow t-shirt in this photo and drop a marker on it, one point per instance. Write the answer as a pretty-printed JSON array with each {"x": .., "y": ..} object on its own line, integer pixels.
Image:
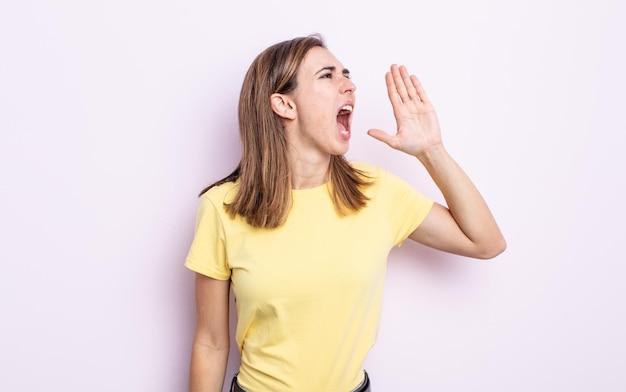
[{"x": 309, "y": 293}]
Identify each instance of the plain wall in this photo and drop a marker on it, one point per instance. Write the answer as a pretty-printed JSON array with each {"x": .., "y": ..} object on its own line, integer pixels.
[{"x": 114, "y": 115}]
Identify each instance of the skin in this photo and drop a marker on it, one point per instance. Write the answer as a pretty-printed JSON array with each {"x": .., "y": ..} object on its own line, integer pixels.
[
  {"x": 209, "y": 353},
  {"x": 465, "y": 227},
  {"x": 310, "y": 116}
]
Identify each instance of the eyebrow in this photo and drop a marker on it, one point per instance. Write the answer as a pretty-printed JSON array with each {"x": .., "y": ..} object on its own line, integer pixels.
[{"x": 332, "y": 68}]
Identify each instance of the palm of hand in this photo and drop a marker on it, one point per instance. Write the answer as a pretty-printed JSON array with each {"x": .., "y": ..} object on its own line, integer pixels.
[{"x": 417, "y": 123}]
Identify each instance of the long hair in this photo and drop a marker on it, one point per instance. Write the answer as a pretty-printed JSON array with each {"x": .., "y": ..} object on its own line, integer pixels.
[{"x": 264, "y": 174}]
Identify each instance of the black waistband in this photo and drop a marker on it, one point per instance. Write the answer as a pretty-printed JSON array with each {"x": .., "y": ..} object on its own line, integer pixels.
[{"x": 364, "y": 387}]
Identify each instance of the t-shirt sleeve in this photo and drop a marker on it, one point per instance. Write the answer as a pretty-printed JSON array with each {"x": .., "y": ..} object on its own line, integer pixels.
[
  {"x": 406, "y": 207},
  {"x": 207, "y": 254}
]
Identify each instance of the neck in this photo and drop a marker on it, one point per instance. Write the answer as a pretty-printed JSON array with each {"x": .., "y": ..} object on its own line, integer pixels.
[
  {"x": 309, "y": 166},
  {"x": 308, "y": 172}
]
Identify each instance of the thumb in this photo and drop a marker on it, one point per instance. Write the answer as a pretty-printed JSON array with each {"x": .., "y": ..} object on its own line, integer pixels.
[{"x": 380, "y": 135}]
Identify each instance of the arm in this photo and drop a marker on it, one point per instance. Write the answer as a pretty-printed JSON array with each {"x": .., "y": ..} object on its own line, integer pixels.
[
  {"x": 466, "y": 226},
  {"x": 209, "y": 355}
]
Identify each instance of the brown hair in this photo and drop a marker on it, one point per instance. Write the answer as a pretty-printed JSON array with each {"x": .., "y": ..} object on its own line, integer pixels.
[{"x": 264, "y": 196}]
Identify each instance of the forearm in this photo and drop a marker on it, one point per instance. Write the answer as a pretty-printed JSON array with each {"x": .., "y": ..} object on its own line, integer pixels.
[
  {"x": 464, "y": 201},
  {"x": 208, "y": 368}
]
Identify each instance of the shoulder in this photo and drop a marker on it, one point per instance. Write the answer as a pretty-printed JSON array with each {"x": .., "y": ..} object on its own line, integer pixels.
[
  {"x": 371, "y": 171},
  {"x": 382, "y": 181},
  {"x": 375, "y": 174},
  {"x": 220, "y": 194}
]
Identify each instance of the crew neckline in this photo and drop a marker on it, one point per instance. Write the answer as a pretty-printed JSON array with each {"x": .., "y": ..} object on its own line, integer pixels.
[{"x": 323, "y": 186}]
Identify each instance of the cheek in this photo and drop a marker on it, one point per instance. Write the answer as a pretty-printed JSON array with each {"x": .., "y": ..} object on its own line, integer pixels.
[
  {"x": 316, "y": 112},
  {"x": 317, "y": 108}
]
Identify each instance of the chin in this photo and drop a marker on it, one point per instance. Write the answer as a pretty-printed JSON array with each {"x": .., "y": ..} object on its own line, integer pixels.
[{"x": 342, "y": 151}]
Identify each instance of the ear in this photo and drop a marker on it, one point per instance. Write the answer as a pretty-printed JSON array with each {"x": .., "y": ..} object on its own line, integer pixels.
[{"x": 283, "y": 106}]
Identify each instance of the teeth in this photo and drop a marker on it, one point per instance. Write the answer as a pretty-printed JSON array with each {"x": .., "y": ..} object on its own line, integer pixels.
[{"x": 345, "y": 110}]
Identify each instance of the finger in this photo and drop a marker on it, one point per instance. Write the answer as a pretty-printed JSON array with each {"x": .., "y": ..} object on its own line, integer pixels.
[
  {"x": 399, "y": 83},
  {"x": 381, "y": 135},
  {"x": 421, "y": 92},
  {"x": 392, "y": 91},
  {"x": 408, "y": 81}
]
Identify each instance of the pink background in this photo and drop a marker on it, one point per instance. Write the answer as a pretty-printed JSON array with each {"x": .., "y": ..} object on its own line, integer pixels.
[{"x": 114, "y": 115}]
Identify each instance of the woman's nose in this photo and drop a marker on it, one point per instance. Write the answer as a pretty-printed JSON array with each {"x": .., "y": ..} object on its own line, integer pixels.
[{"x": 347, "y": 86}]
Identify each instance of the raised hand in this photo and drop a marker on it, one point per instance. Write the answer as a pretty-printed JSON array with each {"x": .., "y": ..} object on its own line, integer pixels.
[{"x": 417, "y": 124}]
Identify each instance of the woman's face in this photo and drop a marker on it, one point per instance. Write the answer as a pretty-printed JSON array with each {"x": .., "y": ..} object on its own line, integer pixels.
[{"x": 324, "y": 101}]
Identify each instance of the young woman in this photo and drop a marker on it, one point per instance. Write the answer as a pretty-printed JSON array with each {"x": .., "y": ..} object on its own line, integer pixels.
[{"x": 302, "y": 236}]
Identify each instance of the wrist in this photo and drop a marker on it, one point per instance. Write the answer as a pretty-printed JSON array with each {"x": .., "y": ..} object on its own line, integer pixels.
[{"x": 431, "y": 153}]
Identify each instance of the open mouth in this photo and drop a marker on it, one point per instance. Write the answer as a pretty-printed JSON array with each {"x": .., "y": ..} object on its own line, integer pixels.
[{"x": 343, "y": 118}]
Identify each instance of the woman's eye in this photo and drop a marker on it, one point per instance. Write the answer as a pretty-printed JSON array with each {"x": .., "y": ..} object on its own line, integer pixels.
[{"x": 327, "y": 76}]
